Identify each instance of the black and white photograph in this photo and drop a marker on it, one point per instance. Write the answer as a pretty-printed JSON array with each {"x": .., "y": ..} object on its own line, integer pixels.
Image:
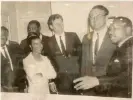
[{"x": 66, "y": 50}]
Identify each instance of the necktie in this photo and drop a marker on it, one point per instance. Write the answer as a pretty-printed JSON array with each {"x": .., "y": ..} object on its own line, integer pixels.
[
  {"x": 96, "y": 44},
  {"x": 62, "y": 46}
]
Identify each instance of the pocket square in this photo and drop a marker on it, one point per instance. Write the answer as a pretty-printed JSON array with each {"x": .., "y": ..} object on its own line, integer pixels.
[{"x": 116, "y": 60}]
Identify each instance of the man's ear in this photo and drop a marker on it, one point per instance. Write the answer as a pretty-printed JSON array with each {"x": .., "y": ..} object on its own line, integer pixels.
[
  {"x": 107, "y": 18},
  {"x": 129, "y": 31},
  {"x": 51, "y": 27},
  {"x": 30, "y": 47}
]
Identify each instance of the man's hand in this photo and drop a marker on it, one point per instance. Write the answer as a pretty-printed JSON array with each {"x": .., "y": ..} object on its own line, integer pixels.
[
  {"x": 85, "y": 82},
  {"x": 53, "y": 87}
]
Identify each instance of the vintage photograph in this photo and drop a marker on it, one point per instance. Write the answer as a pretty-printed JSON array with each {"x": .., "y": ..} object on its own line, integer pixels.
[{"x": 67, "y": 48}]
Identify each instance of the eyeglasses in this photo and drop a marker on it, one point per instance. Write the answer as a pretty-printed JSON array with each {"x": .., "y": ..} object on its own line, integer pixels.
[{"x": 97, "y": 17}]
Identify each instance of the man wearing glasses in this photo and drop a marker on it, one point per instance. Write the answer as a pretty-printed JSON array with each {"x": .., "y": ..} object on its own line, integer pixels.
[{"x": 97, "y": 49}]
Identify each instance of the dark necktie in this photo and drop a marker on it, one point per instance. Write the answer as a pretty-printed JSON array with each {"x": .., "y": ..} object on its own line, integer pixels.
[
  {"x": 96, "y": 44},
  {"x": 62, "y": 46}
]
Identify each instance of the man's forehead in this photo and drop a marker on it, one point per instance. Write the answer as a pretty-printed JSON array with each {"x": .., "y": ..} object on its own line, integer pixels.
[
  {"x": 118, "y": 23},
  {"x": 95, "y": 12},
  {"x": 33, "y": 25}
]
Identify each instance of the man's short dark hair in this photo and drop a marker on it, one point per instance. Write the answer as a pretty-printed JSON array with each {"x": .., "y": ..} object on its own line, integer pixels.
[
  {"x": 52, "y": 18},
  {"x": 101, "y": 7},
  {"x": 125, "y": 20},
  {"x": 5, "y": 29},
  {"x": 34, "y": 22}
]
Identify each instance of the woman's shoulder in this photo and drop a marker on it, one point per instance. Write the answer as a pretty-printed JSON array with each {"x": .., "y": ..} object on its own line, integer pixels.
[
  {"x": 28, "y": 58},
  {"x": 45, "y": 58}
]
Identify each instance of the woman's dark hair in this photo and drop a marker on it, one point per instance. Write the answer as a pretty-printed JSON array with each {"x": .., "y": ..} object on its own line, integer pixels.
[{"x": 31, "y": 36}]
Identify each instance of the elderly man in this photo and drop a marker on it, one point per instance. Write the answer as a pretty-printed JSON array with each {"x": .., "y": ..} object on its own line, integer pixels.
[{"x": 12, "y": 73}]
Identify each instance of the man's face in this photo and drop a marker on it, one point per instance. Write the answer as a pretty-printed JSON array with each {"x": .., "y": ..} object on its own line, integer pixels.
[
  {"x": 57, "y": 26},
  {"x": 34, "y": 28},
  {"x": 97, "y": 19},
  {"x": 4, "y": 37},
  {"x": 117, "y": 33}
]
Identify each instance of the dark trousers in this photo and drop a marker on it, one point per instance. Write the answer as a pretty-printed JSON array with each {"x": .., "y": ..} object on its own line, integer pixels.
[{"x": 64, "y": 83}]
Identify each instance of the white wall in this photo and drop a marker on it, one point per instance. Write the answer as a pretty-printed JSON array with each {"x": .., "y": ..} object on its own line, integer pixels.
[
  {"x": 27, "y": 11},
  {"x": 8, "y": 17},
  {"x": 75, "y": 14},
  {"x": 16, "y": 16}
]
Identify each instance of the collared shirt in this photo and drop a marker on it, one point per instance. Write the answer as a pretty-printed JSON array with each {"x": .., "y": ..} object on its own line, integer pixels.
[
  {"x": 101, "y": 34},
  {"x": 122, "y": 42},
  {"x": 58, "y": 40},
  {"x": 3, "y": 53}
]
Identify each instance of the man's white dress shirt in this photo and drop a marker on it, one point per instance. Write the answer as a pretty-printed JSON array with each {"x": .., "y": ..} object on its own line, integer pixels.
[
  {"x": 58, "y": 40},
  {"x": 101, "y": 34}
]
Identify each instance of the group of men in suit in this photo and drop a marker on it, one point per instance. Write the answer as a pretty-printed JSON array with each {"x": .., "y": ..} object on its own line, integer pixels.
[{"x": 100, "y": 66}]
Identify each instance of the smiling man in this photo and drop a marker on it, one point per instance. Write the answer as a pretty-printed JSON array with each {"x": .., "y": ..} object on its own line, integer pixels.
[
  {"x": 64, "y": 47},
  {"x": 121, "y": 35}
]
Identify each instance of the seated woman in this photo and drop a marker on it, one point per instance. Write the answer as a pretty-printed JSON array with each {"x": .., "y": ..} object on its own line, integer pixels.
[{"x": 38, "y": 67}]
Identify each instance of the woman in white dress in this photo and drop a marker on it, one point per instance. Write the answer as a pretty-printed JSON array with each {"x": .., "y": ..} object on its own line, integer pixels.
[{"x": 38, "y": 67}]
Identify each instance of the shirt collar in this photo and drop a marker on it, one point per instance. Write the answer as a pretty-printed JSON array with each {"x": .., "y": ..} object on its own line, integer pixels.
[
  {"x": 62, "y": 35},
  {"x": 122, "y": 42}
]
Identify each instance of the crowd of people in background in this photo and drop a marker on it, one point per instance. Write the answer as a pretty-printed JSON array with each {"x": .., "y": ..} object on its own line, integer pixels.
[{"x": 100, "y": 65}]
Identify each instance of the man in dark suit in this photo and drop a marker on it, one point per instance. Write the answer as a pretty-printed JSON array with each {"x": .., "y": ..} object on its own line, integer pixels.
[
  {"x": 119, "y": 74},
  {"x": 97, "y": 50},
  {"x": 34, "y": 26},
  {"x": 64, "y": 46},
  {"x": 12, "y": 73}
]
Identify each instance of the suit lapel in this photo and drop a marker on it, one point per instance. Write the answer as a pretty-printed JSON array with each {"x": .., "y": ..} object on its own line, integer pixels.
[
  {"x": 103, "y": 45},
  {"x": 104, "y": 55},
  {"x": 55, "y": 45},
  {"x": 67, "y": 40},
  {"x": 90, "y": 48},
  {"x": 2, "y": 57}
]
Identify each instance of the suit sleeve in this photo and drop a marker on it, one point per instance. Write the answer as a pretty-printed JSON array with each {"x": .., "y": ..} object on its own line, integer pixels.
[
  {"x": 85, "y": 67},
  {"x": 122, "y": 79},
  {"x": 83, "y": 58}
]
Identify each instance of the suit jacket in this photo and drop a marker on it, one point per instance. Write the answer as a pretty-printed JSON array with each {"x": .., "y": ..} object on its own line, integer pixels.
[
  {"x": 15, "y": 78},
  {"x": 103, "y": 56},
  {"x": 27, "y": 49},
  {"x": 118, "y": 80},
  {"x": 64, "y": 80}
]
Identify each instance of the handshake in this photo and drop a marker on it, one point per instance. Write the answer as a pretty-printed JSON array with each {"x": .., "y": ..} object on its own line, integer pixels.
[{"x": 86, "y": 82}]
